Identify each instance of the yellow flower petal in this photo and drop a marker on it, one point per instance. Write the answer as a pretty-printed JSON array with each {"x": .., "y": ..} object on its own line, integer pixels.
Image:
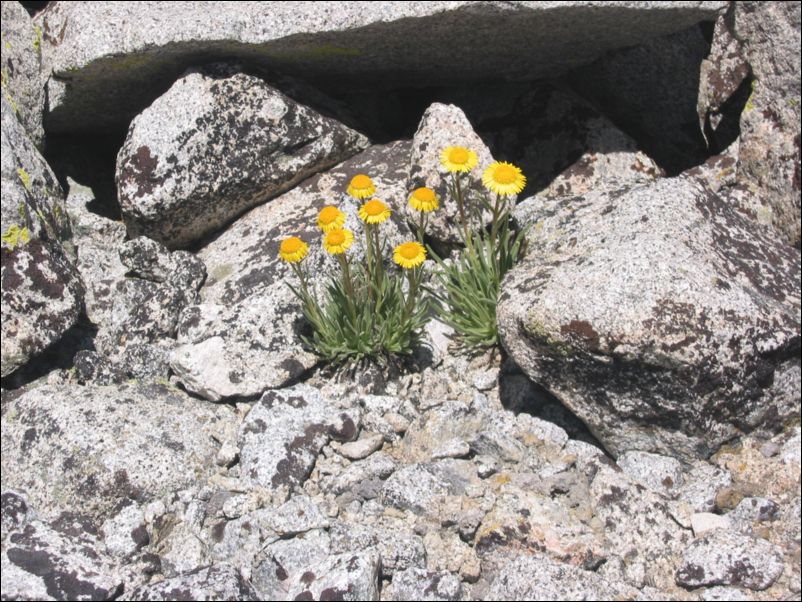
[
  {"x": 338, "y": 241},
  {"x": 374, "y": 212},
  {"x": 409, "y": 255},
  {"x": 424, "y": 199},
  {"x": 458, "y": 158},
  {"x": 361, "y": 187},
  {"x": 330, "y": 218},
  {"x": 504, "y": 179},
  {"x": 293, "y": 249}
]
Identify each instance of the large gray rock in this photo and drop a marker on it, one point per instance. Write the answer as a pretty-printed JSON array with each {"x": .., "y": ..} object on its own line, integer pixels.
[
  {"x": 284, "y": 432},
  {"x": 42, "y": 295},
  {"x": 217, "y": 143},
  {"x": 97, "y": 241},
  {"x": 242, "y": 350},
  {"x": 88, "y": 447},
  {"x": 62, "y": 560},
  {"x": 113, "y": 59},
  {"x": 769, "y": 156},
  {"x": 660, "y": 316},
  {"x": 244, "y": 261},
  {"x": 23, "y": 80}
]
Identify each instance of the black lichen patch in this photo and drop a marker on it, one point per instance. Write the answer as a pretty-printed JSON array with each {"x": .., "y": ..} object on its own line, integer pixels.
[
  {"x": 295, "y": 467},
  {"x": 615, "y": 496},
  {"x": 139, "y": 172},
  {"x": 690, "y": 574},
  {"x": 32, "y": 555},
  {"x": 334, "y": 593},
  {"x": 219, "y": 530},
  {"x": 140, "y": 536},
  {"x": 14, "y": 509}
]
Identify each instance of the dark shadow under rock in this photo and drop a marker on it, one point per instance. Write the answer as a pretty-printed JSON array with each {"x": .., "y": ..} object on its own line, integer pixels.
[{"x": 521, "y": 395}]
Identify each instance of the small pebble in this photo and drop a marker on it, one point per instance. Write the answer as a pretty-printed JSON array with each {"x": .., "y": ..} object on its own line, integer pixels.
[{"x": 362, "y": 448}]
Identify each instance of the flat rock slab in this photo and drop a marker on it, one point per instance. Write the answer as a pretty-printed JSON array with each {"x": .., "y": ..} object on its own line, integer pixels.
[
  {"x": 217, "y": 143},
  {"x": 726, "y": 558},
  {"x": 92, "y": 447},
  {"x": 102, "y": 53},
  {"x": 540, "y": 578},
  {"x": 218, "y": 582},
  {"x": 284, "y": 432},
  {"x": 660, "y": 316}
]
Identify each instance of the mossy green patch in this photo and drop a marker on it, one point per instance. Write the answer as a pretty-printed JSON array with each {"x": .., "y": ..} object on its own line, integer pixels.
[
  {"x": 25, "y": 178},
  {"x": 222, "y": 272},
  {"x": 16, "y": 236},
  {"x": 131, "y": 61},
  {"x": 37, "y": 38},
  {"x": 12, "y": 102},
  {"x": 543, "y": 336},
  {"x": 314, "y": 52}
]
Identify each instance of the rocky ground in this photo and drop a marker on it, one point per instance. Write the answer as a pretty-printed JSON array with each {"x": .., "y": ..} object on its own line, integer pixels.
[{"x": 166, "y": 435}]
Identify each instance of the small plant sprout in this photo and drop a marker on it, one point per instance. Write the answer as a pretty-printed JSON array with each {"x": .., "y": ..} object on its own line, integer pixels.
[
  {"x": 364, "y": 312},
  {"x": 470, "y": 283}
]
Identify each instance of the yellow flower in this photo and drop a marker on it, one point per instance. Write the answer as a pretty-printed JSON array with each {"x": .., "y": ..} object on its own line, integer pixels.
[
  {"x": 374, "y": 212},
  {"x": 424, "y": 199},
  {"x": 330, "y": 218},
  {"x": 504, "y": 179},
  {"x": 338, "y": 241},
  {"x": 293, "y": 249},
  {"x": 361, "y": 187},
  {"x": 458, "y": 158},
  {"x": 409, "y": 255}
]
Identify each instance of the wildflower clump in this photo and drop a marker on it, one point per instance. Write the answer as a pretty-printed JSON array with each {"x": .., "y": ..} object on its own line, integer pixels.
[
  {"x": 470, "y": 283},
  {"x": 365, "y": 311}
]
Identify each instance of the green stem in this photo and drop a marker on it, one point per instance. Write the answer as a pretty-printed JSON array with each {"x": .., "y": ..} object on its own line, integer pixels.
[
  {"x": 378, "y": 257},
  {"x": 348, "y": 283},
  {"x": 309, "y": 299},
  {"x": 461, "y": 206},
  {"x": 412, "y": 276}
]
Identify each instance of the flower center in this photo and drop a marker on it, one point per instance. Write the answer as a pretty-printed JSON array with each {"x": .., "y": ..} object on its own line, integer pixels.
[
  {"x": 459, "y": 156},
  {"x": 336, "y": 237},
  {"x": 409, "y": 250},
  {"x": 505, "y": 174},
  {"x": 291, "y": 245},
  {"x": 361, "y": 181},
  {"x": 329, "y": 215},
  {"x": 374, "y": 207},
  {"x": 424, "y": 195}
]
